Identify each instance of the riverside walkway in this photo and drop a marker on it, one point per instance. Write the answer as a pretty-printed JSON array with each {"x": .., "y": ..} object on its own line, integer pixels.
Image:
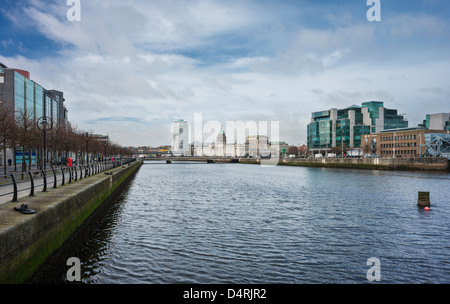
[
  {"x": 18, "y": 185},
  {"x": 28, "y": 239}
]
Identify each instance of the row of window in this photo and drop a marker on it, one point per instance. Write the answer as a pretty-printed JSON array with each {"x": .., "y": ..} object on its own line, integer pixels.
[
  {"x": 401, "y": 137},
  {"x": 399, "y": 145},
  {"x": 29, "y": 97},
  {"x": 399, "y": 152}
]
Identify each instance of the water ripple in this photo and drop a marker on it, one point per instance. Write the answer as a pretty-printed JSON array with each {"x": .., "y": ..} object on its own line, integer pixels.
[{"x": 247, "y": 224}]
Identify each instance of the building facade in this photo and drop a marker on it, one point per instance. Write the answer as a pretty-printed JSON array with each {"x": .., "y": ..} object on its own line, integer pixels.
[
  {"x": 344, "y": 128},
  {"x": 406, "y": 142},
  {"x": 21, "y": 93},
  {"x": 25, "y": 96},
  {"x": 439, "y": 121},
  {"x": 255, "y": 146}
]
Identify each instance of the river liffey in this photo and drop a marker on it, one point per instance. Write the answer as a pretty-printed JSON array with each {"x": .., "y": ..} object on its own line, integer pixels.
[{"x": 247, "y": 224}]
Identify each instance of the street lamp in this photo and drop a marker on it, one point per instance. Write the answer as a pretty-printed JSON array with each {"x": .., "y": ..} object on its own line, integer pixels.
[
  {"x": 45, "y": 124},
  {"x": 86, "y": 137},
  {"x": 104, "y": 155}
]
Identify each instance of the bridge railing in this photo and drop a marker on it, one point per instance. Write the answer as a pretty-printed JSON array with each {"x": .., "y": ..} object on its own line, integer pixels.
[{"x": 17, "y": 185}]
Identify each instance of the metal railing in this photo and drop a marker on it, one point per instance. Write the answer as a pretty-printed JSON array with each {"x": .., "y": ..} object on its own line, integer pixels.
[{"x": 21, "y": 184}]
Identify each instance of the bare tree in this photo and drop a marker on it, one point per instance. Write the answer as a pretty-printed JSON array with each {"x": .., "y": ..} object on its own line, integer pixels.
[
  {"x": 24, "y": 133},
  {"x": 293, "y": 150}
]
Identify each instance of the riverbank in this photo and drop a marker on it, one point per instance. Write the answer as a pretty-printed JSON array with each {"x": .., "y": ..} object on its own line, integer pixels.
[
  {"x": 27, "y": 241},
  {"x": 405, "y": 164}
]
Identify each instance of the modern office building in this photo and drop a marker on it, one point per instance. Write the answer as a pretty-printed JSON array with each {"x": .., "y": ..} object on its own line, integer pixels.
[
  {"x": 438, "y": 121},
  {"x": 23, "y": 95},
  {"x": 180, "y": 141},
  {"x": 18, "y": 91},
  {"x": 345, "y": 127}
]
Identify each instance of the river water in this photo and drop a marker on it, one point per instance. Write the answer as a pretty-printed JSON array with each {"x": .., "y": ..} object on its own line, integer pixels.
[{"x": 239, "y": 224}]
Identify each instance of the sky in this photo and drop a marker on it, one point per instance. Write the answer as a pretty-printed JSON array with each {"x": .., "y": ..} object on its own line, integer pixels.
[{"x": 129, "y": 68}]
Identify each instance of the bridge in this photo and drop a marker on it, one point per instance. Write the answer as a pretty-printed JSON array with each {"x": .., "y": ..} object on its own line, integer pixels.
[{"x": 209, "y": 160}]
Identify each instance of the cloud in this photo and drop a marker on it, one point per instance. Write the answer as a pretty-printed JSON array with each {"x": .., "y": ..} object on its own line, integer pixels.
[{"x": 129, "y": 70}]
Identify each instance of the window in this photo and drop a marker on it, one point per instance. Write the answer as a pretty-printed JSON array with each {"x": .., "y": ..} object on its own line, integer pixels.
[
  {"x": 55, "y": 112},
  {"x": 29, "y": 96},
  {"x": 39, "y": 101},
  {"x": 19, "y": 92}
]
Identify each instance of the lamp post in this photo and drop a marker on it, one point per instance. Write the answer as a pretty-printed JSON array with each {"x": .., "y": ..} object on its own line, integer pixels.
[
  {"x": 86, "y": 137},
  {"x": 45, "y": 124},
  {"x": 104, "y": 155}
]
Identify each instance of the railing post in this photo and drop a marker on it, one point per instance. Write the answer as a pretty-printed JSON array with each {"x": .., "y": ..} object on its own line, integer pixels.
[
  {"x": 81, "y": 172},
  {"x": 15, "y": 188},
  {"x": 63, "y": 177},
  {"x": 76, "y": 174},
  {"x": 85, "y": 171},
  {"x": 44, "y": 174},
  {"x": 54, "y": 178},
  {"x": 70, "y": 174},
  {"x": 32, "y": 184}
]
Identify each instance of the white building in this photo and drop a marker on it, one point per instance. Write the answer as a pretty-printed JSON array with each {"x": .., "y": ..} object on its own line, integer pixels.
[
  {"x": 181, "y": 142},
  {"x": 221, "y": 148},
  {"x": 438, "y": 121}
]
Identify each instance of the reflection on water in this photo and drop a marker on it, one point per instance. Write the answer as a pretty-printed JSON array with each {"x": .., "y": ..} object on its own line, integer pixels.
[{"x": 234, "y": 223}]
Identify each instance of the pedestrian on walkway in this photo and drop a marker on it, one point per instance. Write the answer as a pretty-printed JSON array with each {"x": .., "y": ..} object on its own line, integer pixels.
[{"x": 9, "y": 162}]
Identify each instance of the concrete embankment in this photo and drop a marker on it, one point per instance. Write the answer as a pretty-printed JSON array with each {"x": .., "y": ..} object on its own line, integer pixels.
[
  {"x": 428, "y": 164},
  {"x": 27, "y": 241}
]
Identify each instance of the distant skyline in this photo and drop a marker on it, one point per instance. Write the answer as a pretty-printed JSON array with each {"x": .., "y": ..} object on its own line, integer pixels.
[{"x": 130, "y": 70}]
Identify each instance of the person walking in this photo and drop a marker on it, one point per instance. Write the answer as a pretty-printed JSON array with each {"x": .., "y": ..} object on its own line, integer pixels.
[{"x": 9, "y": 162}]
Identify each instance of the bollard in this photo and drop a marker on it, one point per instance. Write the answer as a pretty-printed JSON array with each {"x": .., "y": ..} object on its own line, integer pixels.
[{"x": 424, "y": 199}]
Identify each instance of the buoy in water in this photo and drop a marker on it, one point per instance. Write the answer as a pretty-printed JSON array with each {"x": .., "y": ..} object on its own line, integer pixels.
[{"x": 426, "y": 209}]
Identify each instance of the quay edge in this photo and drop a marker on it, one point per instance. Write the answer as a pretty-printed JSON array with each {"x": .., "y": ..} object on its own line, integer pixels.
[
  {"x": 27, "y": 241},
  {"x": 401, "y": 164}
]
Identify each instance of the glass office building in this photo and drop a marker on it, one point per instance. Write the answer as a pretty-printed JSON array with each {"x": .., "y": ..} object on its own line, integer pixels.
[
  {"x": 381, "y": 118},
  {"x": 345, "y": 127},
  {"x": 26, "y": 96}
]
